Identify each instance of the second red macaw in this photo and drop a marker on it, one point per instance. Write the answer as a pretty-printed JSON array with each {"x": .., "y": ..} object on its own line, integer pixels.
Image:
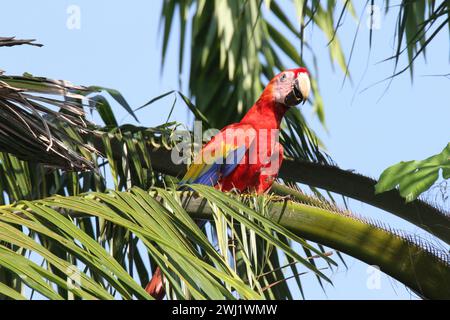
[{"x": 246, "y": 156}]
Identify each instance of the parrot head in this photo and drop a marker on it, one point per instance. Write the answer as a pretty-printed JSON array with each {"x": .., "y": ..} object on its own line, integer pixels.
[
  {"x": 287, "y": 89},
  {"x": 290, "y": 87}
]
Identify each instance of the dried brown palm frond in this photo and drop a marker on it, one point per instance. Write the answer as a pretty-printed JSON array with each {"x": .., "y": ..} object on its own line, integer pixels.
[
  {"x": 12, "y": 41},
  {"x": 34, "y": 124}
]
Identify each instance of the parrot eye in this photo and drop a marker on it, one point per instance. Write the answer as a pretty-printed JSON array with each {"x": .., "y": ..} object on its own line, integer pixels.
[{"x": 283, "y": 77}]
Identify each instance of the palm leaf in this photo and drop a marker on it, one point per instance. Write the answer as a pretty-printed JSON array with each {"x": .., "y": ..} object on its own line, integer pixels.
[
  {"x": 163, "y": 229},
  {"x": 418, "y": 23},
  {"x": 161, "y": 220}
]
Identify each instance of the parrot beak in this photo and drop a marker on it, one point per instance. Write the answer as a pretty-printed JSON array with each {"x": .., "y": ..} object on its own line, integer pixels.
[
  {"x": 302, "y": 86},
  {"x": 300, "y": 90}
]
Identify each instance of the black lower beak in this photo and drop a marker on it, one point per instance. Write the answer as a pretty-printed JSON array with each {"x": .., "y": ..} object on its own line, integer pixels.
[
  {"x": 297, "y": 92},
  {"x": 295, "y": 96}
]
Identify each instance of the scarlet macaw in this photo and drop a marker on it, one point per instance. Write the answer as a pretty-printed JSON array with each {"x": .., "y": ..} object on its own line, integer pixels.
[{"x": 246, "y": 156}]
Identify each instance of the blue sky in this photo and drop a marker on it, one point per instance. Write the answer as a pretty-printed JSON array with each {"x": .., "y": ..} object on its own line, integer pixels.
[{"x": 118, "y": 46}]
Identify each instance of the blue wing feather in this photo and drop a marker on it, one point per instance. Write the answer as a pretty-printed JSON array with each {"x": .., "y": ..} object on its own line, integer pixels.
[
  {"x": 210, "y": 177},
  {"x": 221, "y": 168},
  {"x": 232, "y": 160}
]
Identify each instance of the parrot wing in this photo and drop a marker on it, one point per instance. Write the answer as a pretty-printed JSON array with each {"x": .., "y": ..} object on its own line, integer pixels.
[{"x": 221, "y": 155}]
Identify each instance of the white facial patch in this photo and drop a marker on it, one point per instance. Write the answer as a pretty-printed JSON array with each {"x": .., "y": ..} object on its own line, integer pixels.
[{"x": 283, "y": 86}]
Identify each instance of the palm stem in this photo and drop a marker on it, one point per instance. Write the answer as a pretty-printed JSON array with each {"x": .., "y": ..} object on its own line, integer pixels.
[{"x": 403, "y": 259}]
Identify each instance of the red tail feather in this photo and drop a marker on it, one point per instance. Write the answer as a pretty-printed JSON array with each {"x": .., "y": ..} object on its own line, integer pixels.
[{"x": 155, "y": 287}]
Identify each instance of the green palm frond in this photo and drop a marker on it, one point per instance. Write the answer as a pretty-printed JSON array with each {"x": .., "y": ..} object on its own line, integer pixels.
[
  {"x": 418, "y": 23},
  {"x": 161, "y": 222}
]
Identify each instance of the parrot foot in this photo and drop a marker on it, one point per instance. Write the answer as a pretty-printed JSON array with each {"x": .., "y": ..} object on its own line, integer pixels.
[{"x": 278, "y": 198}]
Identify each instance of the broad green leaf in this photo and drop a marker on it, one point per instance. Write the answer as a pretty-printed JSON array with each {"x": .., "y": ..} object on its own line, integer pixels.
[{"x": 415, "y": 177}]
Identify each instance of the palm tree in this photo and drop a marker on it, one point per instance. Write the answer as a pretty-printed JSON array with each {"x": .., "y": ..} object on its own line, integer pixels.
[{"x": 65, "y": 235}]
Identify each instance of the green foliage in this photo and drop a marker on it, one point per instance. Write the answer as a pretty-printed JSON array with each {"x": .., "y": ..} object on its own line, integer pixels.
[
  {"x": 116, "y": 95},
  {"x": 157, "y": 220},
  {"x": 89, "y": 243},
  {"x": 418, "y": 23},
  {"x": 415, "y": 177},
  {"x": 251, "y": 258}
]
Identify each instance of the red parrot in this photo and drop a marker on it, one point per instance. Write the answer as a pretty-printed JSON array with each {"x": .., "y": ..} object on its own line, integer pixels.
[{"x": 246, "y": 156}]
